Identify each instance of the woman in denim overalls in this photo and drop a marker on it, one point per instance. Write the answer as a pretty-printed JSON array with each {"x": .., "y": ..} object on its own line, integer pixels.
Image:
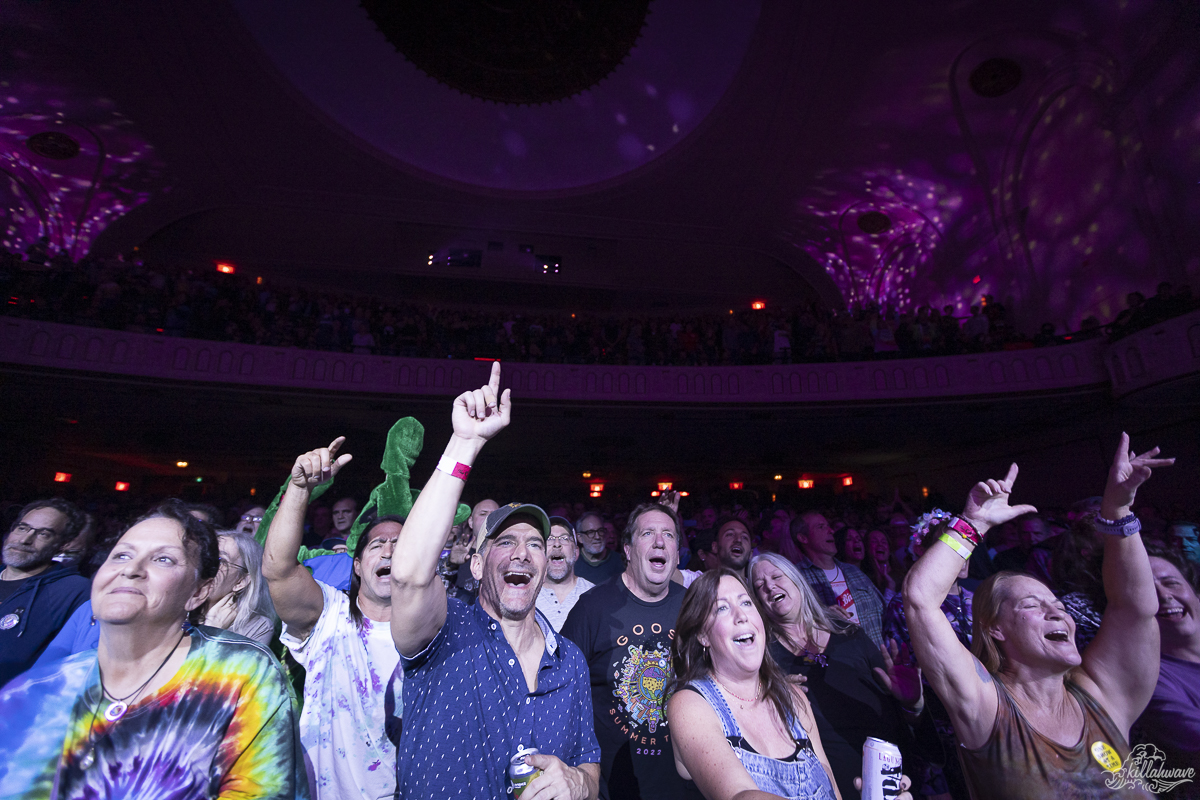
[{"x": 736, "y": 722}]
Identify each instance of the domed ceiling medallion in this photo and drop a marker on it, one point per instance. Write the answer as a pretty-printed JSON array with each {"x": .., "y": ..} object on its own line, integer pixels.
[
  {"x": 53, "y": 144},
  {"x": 873, "y": 222},
  {"x": 995, "y": 77},
  {"x": 520, "y": 52}
]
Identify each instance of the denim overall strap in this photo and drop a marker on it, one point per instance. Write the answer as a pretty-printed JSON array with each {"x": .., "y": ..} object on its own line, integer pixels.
[
  {"x": 708, "y": 689},
  {"x": 802, "y": 779}
]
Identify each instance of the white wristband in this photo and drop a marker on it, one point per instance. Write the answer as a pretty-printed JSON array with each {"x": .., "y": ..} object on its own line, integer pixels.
[{"x": 454, "y": 468}]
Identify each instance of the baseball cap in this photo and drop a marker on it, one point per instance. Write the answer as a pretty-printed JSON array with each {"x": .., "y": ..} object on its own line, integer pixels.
[
  {"x": 563, "y": 522},
  {"x": 495, "y": 520}
]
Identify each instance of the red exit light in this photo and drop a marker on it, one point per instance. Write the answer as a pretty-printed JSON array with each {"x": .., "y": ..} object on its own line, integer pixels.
[
  {"x": 62, "y": 477},
  {"x": 805, "y": 484},
  {"x": 122, "y": 486},
  {"x": 847, "y": 481},
  {"x": 226, "y": 267},
  {"x": 758, "y": 305},
  {"x": 735, "y": 485}
]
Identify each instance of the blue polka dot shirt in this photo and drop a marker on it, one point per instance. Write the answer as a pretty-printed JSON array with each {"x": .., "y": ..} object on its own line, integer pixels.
[{"x": 467, "y": 709}]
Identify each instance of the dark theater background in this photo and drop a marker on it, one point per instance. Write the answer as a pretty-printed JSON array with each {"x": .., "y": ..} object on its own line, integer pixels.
[{"x": 704, "y": 237}]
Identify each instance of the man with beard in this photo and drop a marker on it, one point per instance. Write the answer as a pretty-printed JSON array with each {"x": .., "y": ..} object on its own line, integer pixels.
[
  {"x": 843, "y": 587},
  {"x": 342, "y": 639},
  {"x": 485, "y": 681},
  {"x": 732, "y": 545},
  {"x": 624, "y": 627},
  {"x": 37, "y": 594},
  {"x": 563, "y": 587},
  {"x": 596, "y": 562}
]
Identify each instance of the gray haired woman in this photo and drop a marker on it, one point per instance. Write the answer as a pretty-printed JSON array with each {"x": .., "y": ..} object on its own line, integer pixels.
[{"x": 239, "y": 601}]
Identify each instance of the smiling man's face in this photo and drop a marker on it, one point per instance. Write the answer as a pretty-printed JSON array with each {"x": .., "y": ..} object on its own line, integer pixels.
[
  {"x": 510, "y": 571},
  {"x": 733, "y": 544}
]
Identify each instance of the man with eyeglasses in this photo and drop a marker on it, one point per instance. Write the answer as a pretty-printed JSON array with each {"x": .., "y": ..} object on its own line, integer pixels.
[
  {"x": 563, "y": 587},
  {"x": 37, "y": 594},
  {"x": 596, "y": 562},
  {"x": 249, "y": 521}
]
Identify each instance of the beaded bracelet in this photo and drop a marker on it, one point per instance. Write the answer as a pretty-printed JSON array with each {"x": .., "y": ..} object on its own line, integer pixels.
[{"x": 1126, "y": 526}]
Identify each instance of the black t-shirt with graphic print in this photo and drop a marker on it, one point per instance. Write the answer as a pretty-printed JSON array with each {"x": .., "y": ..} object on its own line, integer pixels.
[{"x": 627, "y": 645}]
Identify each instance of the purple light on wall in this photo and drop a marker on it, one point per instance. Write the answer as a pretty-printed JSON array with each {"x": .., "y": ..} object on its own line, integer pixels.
[
  {"x": 874, "y": 232},
  {"x": 70, "y": 167}
]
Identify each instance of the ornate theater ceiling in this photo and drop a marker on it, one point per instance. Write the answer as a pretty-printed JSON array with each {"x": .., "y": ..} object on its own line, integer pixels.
[{"x": 700, "y": 151}]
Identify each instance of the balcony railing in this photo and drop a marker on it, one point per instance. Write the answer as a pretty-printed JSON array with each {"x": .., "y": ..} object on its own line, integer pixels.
[{"x": 1164, "y": 352}]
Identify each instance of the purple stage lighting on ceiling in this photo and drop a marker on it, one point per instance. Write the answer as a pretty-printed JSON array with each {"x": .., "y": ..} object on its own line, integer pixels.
[{"x": 71, "y": 166}]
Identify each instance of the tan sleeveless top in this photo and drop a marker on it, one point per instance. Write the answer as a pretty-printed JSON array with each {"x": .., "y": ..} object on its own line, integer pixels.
[{"x": 1018, "y": 763}]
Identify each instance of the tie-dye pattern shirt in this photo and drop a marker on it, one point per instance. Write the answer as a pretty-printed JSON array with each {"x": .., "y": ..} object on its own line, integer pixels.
[
  {"x": 224, "y": 726},
  {"x": 352, "y": 698}
]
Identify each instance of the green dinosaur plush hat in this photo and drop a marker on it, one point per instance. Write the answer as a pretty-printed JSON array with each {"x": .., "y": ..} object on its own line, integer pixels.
[{"x": 392, "y": 497}]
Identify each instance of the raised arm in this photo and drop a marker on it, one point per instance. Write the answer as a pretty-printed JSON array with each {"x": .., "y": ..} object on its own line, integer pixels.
[
  {"x": 294, "y": 592},
  {"x": 1119, "y": 658},
  {"x": 956, "y": 675},
  {"x": 418, "y": 595}
]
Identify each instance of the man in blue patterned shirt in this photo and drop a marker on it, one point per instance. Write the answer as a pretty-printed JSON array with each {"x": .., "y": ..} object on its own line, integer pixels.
[{"x": 485, "y": 680}]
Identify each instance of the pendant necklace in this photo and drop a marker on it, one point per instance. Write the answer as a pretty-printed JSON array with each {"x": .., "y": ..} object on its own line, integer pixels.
[{"x": 119, "y": 706}]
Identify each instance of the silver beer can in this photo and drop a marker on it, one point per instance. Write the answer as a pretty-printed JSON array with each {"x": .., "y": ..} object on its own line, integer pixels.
[
  {"x": 519, "y": 773},
  {"x": 881, "y": 770}
]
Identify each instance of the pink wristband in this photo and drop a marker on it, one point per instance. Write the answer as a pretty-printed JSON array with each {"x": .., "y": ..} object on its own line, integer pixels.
[
  {"x": 965, "y": 529},
  {"x": 454, "y": 468}
]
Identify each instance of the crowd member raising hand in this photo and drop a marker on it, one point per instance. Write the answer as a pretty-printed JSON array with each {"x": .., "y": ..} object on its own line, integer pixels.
[
  {"x": 484, "y": 682},
  {"x": 341, "y": 639},
  {"x": 1033, "y": 717}
]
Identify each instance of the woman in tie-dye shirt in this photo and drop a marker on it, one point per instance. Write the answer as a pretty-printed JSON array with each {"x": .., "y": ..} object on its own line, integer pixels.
[{"x": 162, "y": 709}]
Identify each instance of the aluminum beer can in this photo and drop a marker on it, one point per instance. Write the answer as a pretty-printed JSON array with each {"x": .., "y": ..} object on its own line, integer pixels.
[
  {"x": 521, "y": 774},
  {"x": 881, "y": 770}
]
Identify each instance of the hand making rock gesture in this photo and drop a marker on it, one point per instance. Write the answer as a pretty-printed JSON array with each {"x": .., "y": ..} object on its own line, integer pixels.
[
  {"x": 1129, "y": 471},
  {"x": 987, "y": 503}
]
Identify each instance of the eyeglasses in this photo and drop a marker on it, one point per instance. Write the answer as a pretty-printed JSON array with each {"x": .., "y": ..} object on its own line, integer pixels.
[
  {"x": 42, "y": 533},
  {"x": 563, "y": 539},
  {"x": 593, "y": 532},
  {"x": 248, "y": 518},
  {"x": 239, "y": 567}
]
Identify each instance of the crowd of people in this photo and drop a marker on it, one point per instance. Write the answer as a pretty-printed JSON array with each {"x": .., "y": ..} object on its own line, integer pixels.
[
  {"x": 131, "y": 296},
  {"x": 726, "y": 652}
]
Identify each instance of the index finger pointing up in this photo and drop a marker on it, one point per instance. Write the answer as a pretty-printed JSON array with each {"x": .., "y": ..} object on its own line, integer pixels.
[
  {"x": 335, "y": 444},
  {"x": 1011, "y": 476},
  {"x": 494, "y": 380}
]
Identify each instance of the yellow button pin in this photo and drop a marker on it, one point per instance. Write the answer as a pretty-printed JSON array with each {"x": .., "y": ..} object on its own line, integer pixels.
[{"x": 1106, "y": 756}]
